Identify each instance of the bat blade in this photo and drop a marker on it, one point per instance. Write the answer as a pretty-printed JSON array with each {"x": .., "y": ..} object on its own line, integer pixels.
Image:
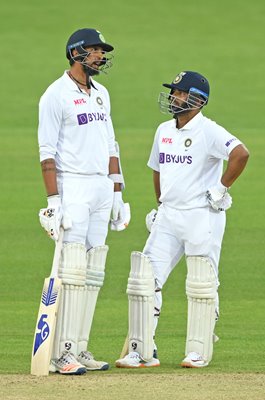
[
  {"x": 46, "y": 321},
  {"x": 45, "y": 327},
  {"x": 125, "y": 349}
]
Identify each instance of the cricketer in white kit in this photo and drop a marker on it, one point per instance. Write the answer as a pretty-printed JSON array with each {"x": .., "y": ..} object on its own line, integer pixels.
[
  {"x": 83, "y": 180},
  {"x": 192, "y": 193}
]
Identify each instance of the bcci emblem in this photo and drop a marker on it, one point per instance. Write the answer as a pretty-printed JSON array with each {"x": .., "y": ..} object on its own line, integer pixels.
[
  {"x": 179, "y": 77},
  {"x": 101, "y": 37},
  {"x": 99, "y": 101},
  {"x": 188, "y": 142}
]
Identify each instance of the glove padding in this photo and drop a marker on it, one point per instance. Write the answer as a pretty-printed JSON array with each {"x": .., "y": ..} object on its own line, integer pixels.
[
  {"x": 51, "y": 218},
  {"x": 218, "y": 197},
  {"x": 121, "y": 213},
  {"x": 150, "y": 219}
]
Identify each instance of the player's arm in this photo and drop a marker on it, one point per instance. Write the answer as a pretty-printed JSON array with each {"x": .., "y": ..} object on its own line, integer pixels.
[
  {"x": 236, "y": 163},
  {"x": 156, "y": 181},
  {"x": 114, "y": 170},
  {"x": 49, "y": 176},
  {"x": 217, "y": 196},
  {"x": 121, "y": 214},
  {"x": 151, "y": 216}
]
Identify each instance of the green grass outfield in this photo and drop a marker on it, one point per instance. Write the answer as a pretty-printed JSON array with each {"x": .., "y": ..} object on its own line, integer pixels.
[{"x": 154, "y": 40}]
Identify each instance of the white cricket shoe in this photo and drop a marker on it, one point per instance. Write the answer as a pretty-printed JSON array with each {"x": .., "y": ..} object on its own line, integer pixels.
[
  {"x": 193, "y": 360},
  {"x": 133, "y": 360},
  {"x": 67, "y": 365},
  {"x": 86, "y": 358}
]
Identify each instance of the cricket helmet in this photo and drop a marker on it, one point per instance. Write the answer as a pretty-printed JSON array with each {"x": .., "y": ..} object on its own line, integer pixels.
[
  {"x": 86, "y": 37},
  {"x": 190, "y": 82},
  {"x": 194, "y": 84}
]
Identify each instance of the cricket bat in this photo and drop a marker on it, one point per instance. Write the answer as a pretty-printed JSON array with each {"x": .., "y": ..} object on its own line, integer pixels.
[
  {"x": 125, "y": 349},
  {"x": 46, "y": 321}
]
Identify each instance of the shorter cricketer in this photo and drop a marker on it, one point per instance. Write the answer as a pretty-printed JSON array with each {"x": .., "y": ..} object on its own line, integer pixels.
[{"x": 192, "y": 192}]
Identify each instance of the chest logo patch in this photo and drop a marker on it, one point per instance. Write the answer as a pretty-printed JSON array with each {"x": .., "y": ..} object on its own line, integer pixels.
[
  {"x": 167, "y": 140},
  {"x": 188, "y": 143},
  {"x": 79, "y": 101},
  {"x": 99, "y": 101}
]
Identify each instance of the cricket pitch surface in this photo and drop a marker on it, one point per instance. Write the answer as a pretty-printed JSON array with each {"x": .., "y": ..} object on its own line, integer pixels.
[{"x": 130, "y": 385}]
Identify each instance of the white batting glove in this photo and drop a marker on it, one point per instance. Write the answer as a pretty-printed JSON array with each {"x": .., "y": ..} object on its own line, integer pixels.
[
  {"x": 121, "y": 213},
  {"x": 218, "y": 197},
  {"x": 51, "y": 218},
  {"x": 150, "y": 219}
]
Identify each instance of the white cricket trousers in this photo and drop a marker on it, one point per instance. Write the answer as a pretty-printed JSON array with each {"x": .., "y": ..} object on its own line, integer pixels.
[
  {"x": 87, "y": 200},
  {"x": 196, "y": 232}
]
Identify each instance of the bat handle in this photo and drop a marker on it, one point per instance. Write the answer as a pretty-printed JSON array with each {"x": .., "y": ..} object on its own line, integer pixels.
[{"x": 57, "y": 254}]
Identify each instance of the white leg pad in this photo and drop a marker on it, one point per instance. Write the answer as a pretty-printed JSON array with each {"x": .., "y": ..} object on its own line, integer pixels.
[
  {"x": 72, "y": 271},
  {"x": 141, "y": 291},
  {"x": 96, "y": 260},
  {"x": 201, "y": 290}
]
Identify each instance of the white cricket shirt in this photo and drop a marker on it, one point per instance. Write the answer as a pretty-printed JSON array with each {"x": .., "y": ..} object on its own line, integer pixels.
[
  {"x": 76, "y": 129},
  {"x": 190, "y": 160}
]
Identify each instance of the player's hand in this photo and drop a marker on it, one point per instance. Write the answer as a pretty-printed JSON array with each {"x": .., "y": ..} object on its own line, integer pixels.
[
  {"x": 150, "y": 219},
  {"x": 51, "y": 218},
  {"x": 121, "y": 213},
  {"x": 218, "y": 197}
]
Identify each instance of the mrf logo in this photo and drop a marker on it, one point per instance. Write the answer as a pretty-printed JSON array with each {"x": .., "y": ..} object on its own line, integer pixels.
[
  {"x": 43, "y": 333},
  {"x": 79, "y": 101},
  {"x": 167, "y": 140}
]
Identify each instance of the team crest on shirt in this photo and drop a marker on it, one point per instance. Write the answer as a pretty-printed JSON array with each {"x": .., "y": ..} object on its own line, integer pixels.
[
  {"x": 187, "y": 142},
  {"x": 99, "y": 100}
]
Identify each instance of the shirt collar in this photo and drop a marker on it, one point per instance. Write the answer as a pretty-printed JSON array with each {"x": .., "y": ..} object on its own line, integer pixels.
[
  {"x": 69, "y": 82},
  {"x": 193, "y": 122},
  {"x": 72, "y": 85}
]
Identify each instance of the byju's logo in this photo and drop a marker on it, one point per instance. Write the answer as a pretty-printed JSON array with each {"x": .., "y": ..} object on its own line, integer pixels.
[
  {"x": 43, "y": 333},
  {"x": 82, "y": 119},
  {"x": 86, "y": 118},
  {"x": 161, "y": 158},
  {"x": 165, "y": 158}
]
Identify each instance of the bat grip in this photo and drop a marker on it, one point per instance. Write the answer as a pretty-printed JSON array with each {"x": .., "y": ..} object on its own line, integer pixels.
[{"x": 57, "y": 254}]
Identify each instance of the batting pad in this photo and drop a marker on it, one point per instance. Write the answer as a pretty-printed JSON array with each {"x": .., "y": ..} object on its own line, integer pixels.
[
  {"x": 141, "y": 290},
  {"x": 201, "y": 290},
  {"x": 96, "y": 260},
  {"x": 72, "y": 271}
]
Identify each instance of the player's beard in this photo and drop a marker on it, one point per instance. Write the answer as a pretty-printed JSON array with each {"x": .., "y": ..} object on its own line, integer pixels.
[
  {"x": 90, "y": 71},
  {"x": 180, "y": 109}
]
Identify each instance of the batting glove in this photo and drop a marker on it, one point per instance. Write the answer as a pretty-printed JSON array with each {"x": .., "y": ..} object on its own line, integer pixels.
[
  {"x": 51, "y": 218},
  {"x": 150, "y": 219},
  {"x": 121, "y": 213},
  {"x": 219, "y": 198}
]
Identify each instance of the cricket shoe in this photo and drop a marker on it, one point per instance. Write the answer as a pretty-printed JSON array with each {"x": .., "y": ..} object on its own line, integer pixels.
[
  {"x": 67, "y": 365},
  {"x": 193, "y": 360},
  {"x": 87, "y": 360},
  {"x": 134, "y": 360}
]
